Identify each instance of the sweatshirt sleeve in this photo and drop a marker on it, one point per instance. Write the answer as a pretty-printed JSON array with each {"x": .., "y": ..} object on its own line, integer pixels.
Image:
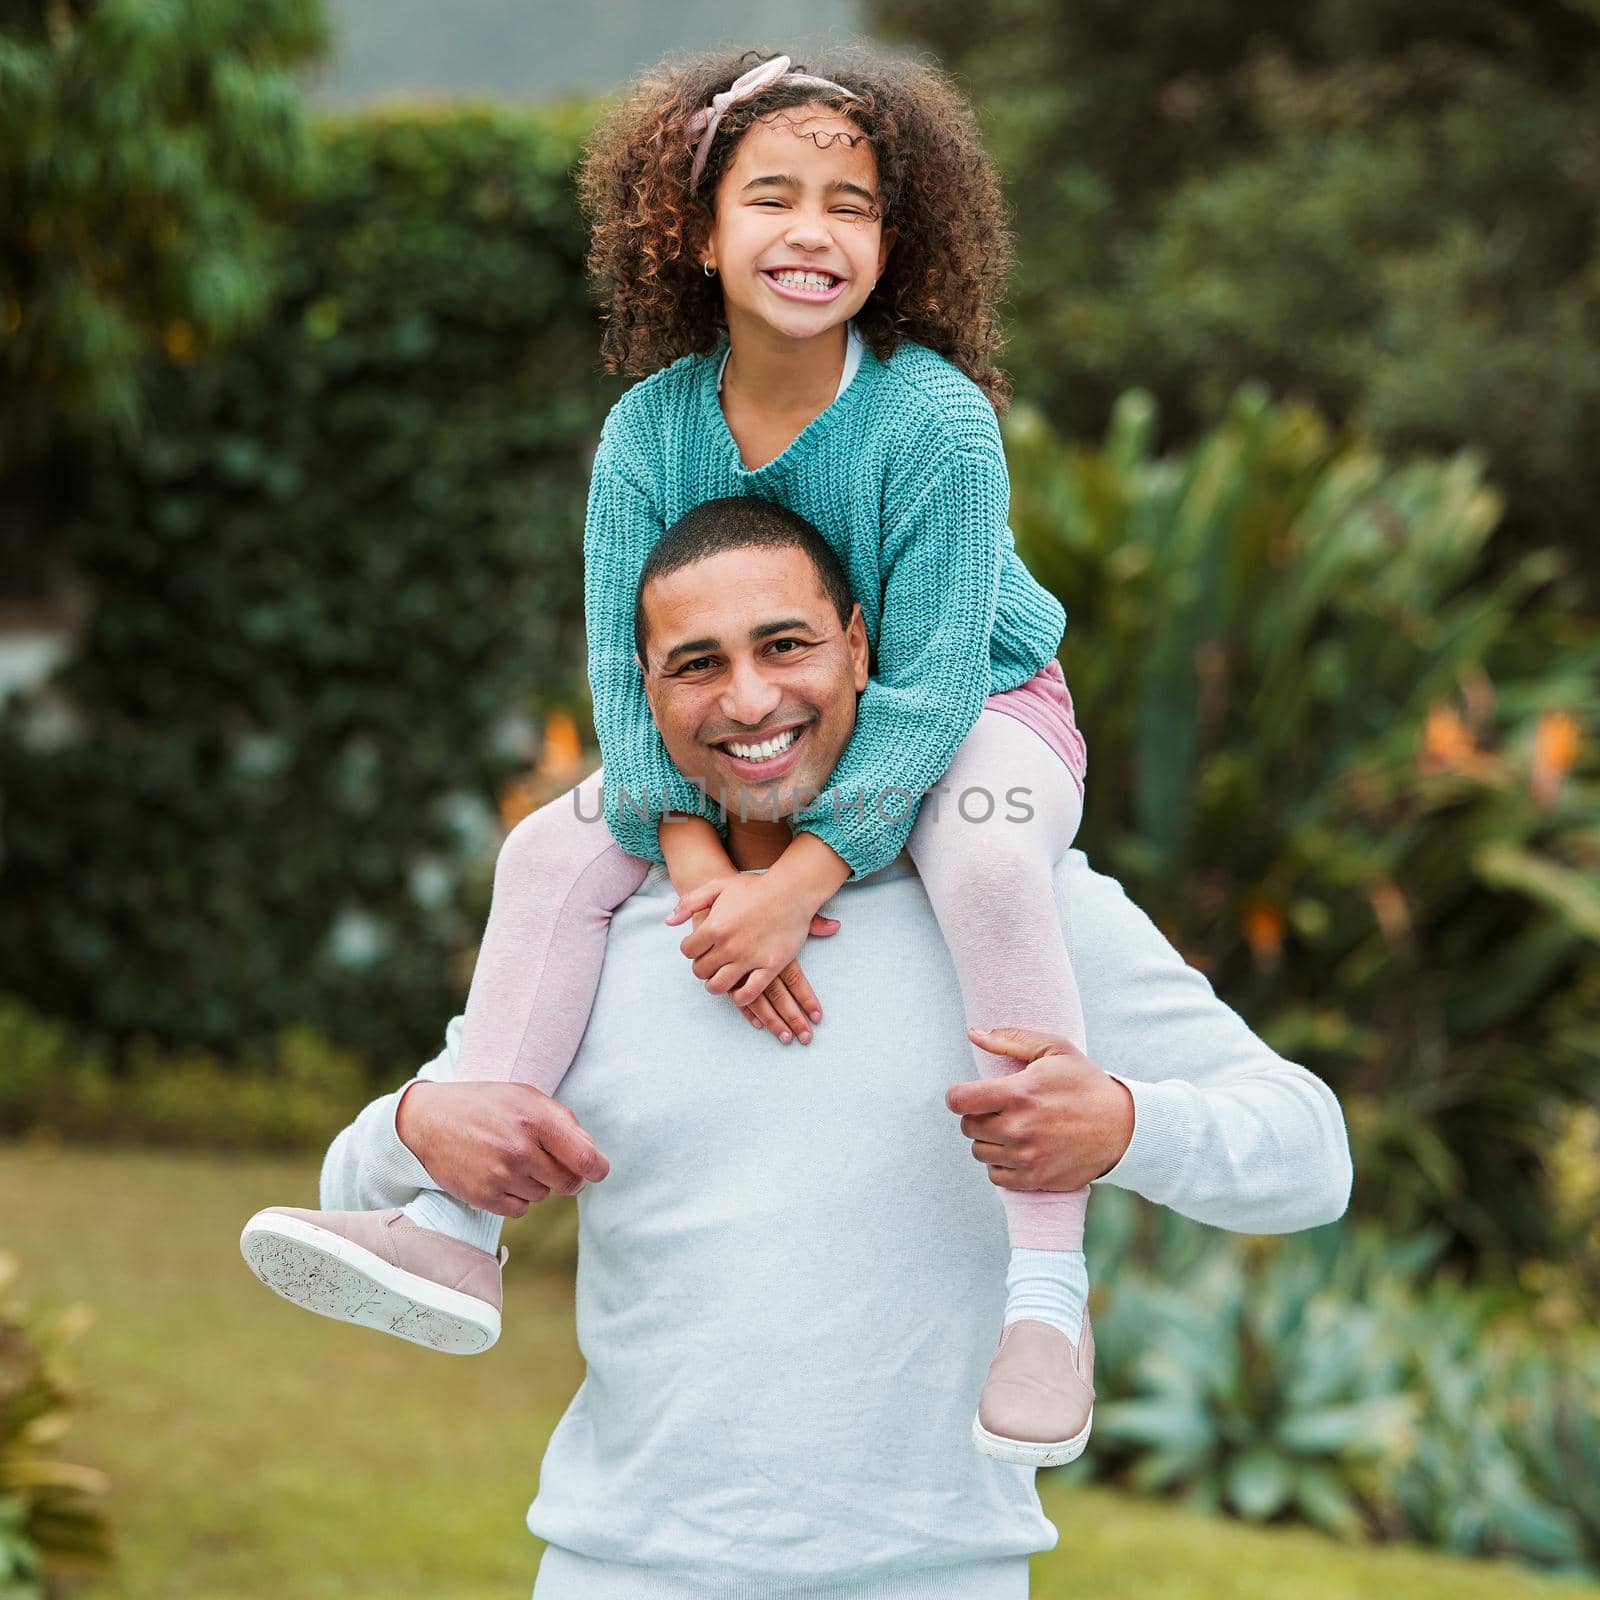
[
  {"x": 1225, "y": 1130},
  {"x": 941, "y": 566},
  {"x": 641, "y": 783},
  {"x": 367, "y": 1167}
]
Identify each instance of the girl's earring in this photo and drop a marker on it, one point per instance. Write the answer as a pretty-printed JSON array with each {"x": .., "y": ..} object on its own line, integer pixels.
[{"x": 710, "y": 270}]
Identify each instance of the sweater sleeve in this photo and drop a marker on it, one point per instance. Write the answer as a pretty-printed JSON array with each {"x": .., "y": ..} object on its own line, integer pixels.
[
  {"x": 367, "y": 1167},
  {"x": 941, "y": 567},
  {"x": 1225, "y": 1130},
  {"x": 641, "y": 783}
]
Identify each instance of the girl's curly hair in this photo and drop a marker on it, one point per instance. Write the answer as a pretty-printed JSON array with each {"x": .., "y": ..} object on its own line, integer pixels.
[{"x": 944, "y": 279}]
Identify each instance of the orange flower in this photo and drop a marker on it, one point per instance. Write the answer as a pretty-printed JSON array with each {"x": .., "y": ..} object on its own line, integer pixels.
[
  {"x": 1446, "y": 741},
  {"x": 1555, "y": 751},
  {"x": 1263, "y": 932},
  {"x": 1448, "y": 745},
  {"x": 562, "y": 748},
  {"x": 179, "y": 341}
]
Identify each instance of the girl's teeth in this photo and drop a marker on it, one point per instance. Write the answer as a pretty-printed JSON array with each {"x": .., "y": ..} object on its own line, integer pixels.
[
  {"x": 765, "y": 751},
  {"x": 804, "y": 280}
]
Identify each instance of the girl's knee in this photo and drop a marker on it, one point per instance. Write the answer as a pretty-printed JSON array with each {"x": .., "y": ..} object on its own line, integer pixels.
[{"x": 558, "y": 832}]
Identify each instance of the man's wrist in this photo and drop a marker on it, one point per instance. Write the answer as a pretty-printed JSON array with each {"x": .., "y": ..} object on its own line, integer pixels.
[
  {"x": 410, "y": 1117},
  {"x": 1126, "y": 1172},
  {"x": 1120, "y": 1124}
]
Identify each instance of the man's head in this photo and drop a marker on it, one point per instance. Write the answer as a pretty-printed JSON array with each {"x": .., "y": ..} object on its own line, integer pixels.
[{"x": 753, "y": 653}]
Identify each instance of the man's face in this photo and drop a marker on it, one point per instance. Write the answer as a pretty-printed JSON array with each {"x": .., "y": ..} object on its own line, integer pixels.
[{"x": 750, "y": 677}]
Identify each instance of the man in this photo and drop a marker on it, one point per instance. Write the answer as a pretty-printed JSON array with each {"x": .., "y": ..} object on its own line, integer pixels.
[{"x": 790, "y": 1274}]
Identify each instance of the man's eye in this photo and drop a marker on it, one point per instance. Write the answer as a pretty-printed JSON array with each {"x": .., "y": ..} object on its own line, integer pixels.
[
  {"x": 788, "y": 646},
  {"x": 699, "y": 664}
]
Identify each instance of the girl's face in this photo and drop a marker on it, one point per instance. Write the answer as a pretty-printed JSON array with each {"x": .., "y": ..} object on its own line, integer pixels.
[{"x": 795, "y": 241}]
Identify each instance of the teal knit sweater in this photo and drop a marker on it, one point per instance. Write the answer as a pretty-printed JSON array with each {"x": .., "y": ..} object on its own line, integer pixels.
[{"x": 905, "y": 476}]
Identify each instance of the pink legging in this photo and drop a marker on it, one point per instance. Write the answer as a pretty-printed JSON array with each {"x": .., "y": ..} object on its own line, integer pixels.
[{"x": 559, "y": 878}]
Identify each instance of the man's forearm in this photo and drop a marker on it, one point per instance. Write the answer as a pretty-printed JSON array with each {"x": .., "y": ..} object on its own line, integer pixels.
[
  {"x": 1269, "y": 1155},
  {"x": 1225, "y": 1131}
]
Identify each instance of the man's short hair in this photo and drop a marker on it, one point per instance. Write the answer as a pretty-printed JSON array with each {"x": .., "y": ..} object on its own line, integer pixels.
[{"x": 740, "y": 522}]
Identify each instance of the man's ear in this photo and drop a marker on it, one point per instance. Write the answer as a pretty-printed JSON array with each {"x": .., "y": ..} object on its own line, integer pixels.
[
  {"x": 855, "y": 633},
  {"x": 649, "y": 682}
]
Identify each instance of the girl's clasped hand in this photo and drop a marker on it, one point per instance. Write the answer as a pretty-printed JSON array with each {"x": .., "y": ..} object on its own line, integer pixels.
[{"x": 747, "y": 935}]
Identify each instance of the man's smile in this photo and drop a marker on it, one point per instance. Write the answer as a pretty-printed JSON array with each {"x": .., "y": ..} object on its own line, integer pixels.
[{"x": 757, "y": 758}]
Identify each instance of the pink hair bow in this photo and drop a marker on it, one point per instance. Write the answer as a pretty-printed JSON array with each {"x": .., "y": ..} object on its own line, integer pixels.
[{"x": 703, "y": 124}]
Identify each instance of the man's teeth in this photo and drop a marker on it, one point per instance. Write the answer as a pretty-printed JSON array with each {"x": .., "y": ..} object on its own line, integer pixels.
[
  {"x": 805, "y": 280},
  {"x": 775, "y": 746}
]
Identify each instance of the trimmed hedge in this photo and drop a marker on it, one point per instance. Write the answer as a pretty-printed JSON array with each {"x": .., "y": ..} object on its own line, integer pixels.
[{"x": 332, "y": 589}]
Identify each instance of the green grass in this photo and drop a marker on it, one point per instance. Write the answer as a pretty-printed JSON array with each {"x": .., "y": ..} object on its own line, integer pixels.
[{"x": 257, "y": 1452}]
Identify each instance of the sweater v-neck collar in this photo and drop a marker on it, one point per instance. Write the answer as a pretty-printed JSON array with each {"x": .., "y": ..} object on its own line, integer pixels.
[{"x": 809, "y": 436}]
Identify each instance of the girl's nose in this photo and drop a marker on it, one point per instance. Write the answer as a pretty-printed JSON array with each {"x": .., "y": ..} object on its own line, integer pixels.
[{"x": 807, "y": 233}]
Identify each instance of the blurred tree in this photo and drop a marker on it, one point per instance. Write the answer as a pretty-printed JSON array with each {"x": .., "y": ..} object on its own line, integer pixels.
[
  {"x": 1388, "y": 209},
  {"x": 142, "y": 149},
  {"x": 338, "y": 574}
]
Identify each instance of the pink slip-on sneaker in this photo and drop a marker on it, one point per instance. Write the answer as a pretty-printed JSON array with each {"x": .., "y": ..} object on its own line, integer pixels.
[
  {"x": 1037, "y": 1405},
  {"x": 379, "y": 1269}
]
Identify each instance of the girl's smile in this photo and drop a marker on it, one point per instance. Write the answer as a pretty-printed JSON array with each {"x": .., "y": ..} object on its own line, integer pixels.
[{"x": 804, "y": 283}]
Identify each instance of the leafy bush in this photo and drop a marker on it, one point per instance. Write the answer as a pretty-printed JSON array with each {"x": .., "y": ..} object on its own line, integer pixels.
[
  {"x": 331, "y": 590},
  {"x": 50, "y": 1526},
  {"x": 1354, "y": 781},
  {"x": 1260, "y": 1376},
  {"x": 294, "y": 1097},
  {"x": 1554, "y": 1401},
  {"x": 1336, "y": 1377},
  {"x": 1463, "y": 1484}
]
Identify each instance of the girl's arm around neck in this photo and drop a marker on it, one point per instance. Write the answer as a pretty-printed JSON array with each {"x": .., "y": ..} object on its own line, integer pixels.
[
  {"x": 810, "y": 870},
  {"x": 693, "y": 852}
]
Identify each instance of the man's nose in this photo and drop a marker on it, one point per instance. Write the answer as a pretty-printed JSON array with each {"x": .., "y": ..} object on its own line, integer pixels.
[{"x": 749, "y": 697}]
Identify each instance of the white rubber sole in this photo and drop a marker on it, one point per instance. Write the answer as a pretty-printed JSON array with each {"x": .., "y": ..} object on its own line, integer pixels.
[
  {"x": 334, "y": 1277},
  {"x": 1025, "y": 1453}
]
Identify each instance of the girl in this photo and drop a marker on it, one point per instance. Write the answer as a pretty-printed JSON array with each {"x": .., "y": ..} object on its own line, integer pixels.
[{"x": 810, "y": 268}]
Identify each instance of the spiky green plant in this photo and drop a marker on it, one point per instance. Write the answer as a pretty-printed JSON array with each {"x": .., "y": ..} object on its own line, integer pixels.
[
  {"x": 1465, "y": 1481},
  {"x": 50, "y": 1523},
  {"x": 1264, "y": 1389},
  {"x": 1554, "y": 1401},
  {"x": 1355, "y": 780}
]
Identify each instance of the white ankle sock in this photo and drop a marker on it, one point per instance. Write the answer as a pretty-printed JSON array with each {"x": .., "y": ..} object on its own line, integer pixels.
[
  {"x": 1048, "y": 1286},
  {"x": 445, "y": 1214}
]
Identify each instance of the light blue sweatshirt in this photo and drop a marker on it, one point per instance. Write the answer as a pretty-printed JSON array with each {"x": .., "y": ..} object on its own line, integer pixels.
[{"x": 790, "y": 1284}]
